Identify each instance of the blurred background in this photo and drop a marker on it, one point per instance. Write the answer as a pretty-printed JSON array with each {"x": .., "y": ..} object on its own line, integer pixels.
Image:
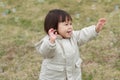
[{"x": 21, "y": 26}]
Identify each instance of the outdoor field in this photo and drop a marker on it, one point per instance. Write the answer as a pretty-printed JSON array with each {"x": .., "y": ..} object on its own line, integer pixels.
[{"x": 22, "y": 25}]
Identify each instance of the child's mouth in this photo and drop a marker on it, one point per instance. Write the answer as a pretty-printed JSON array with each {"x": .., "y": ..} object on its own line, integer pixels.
[{"x": 69, "y": 32}]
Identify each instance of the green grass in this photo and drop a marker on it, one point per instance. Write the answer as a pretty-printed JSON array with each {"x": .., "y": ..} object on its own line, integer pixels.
[{"x": 21, "y": 26}]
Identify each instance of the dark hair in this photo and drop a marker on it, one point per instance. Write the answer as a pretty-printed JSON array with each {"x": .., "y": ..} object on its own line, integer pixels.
[{"x": 54, "y": 17}]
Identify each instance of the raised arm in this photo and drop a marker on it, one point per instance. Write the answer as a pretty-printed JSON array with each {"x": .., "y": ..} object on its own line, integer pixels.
[
  {"x": 46, "y": 48},
  {"x": 47, "y": 45},
  {"x": 88, "y": 33}
]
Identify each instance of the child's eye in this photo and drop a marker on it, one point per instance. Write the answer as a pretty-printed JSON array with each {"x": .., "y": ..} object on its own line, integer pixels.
[
  {"x": 70, "y": 23},
  {"x": 66, "y": 24}
]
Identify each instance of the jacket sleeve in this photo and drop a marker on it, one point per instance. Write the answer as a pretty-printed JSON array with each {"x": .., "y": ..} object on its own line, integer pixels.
[
  {"x": 45, "y": 48},
  {"x": 85, "y": 35}
]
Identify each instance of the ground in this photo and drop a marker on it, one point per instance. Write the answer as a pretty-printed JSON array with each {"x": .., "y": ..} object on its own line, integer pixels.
[{"x": 21, "y": 26}]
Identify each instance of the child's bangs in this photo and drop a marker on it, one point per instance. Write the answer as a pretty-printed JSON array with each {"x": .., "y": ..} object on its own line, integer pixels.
[{"x": 64, "y": 18}]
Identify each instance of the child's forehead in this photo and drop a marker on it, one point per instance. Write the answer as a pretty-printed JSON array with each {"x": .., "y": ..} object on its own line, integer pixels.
[{"x": 66, "y": 21}]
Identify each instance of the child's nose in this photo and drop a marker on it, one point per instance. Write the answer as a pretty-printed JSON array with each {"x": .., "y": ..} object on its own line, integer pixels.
[{"x": 70, "y": 26}]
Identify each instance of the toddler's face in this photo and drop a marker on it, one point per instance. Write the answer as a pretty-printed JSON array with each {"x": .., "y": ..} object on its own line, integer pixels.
[{"x": 65, "y": 29}]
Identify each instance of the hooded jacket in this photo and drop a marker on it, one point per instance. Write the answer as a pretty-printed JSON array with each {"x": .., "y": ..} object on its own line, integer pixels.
[{"x": 61, "y": 60}]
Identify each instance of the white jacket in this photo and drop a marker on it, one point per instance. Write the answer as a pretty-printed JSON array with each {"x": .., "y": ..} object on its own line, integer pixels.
[{"x": 61, "y": 59}]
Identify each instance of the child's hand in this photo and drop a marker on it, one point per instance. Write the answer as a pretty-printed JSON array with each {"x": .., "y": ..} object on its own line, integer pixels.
[
  {"x": 53, "y": 35},
  {"x": 100, "y": 24}
]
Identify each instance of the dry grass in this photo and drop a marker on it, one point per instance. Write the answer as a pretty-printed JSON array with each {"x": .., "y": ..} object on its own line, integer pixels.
[{"x": 21, "y": 25}]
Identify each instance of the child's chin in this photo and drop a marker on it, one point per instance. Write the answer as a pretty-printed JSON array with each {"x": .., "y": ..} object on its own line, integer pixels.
[{"x": 67, "y": 37}]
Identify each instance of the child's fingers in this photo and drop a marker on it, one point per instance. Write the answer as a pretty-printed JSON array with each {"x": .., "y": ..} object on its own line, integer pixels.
[
  {"x": 100, "y": 24},
  {"x": 51, "y": 31},
  {"x": 102, "y": 20},
  {"x": 55, "y": 32}
]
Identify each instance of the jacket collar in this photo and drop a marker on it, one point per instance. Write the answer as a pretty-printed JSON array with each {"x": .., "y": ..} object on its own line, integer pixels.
[{"x": 59, "y": 37}]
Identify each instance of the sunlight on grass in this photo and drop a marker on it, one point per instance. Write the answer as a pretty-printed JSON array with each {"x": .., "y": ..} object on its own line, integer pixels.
[{"x": 21, "y": 26}]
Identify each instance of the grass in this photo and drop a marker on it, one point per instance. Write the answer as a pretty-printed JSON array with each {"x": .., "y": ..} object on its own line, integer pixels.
[{"x": 21, "y": 26}]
